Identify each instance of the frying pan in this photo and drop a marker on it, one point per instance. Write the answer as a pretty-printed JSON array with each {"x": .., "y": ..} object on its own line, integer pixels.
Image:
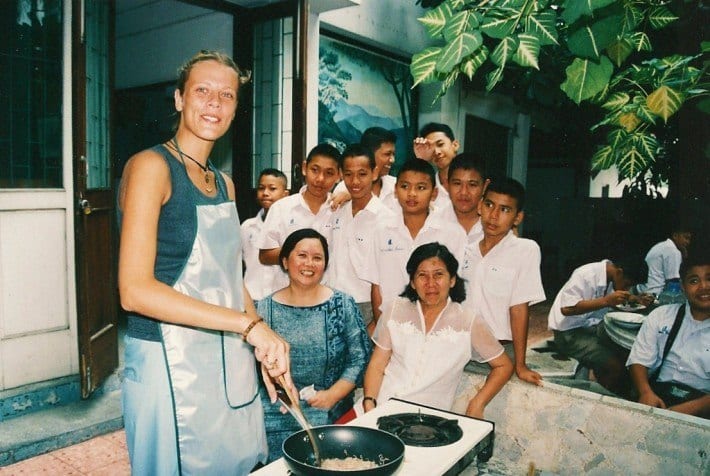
[{"x": 341, "y": 441}]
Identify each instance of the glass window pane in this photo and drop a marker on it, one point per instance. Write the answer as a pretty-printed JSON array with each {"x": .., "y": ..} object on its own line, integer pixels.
[{"x": 31, "y": 70}]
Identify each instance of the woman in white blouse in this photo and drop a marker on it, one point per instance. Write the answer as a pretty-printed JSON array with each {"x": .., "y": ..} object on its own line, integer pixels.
[{"x": 425, "y": 338}]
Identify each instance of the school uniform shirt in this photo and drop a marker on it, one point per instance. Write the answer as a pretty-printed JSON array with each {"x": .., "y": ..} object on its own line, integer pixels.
[
  {"x": 349, "y": 240},
  {"x": 386, "y": 196},
  {"x": 586, "y": 282},
  {"x": 688, "y": 361},
  {"x": 663, "y": 261},
  {"x": 447, "y": 214},
  {"x": 442, "y": 197},
  {"x": 286, "y": 216},
  {"x": 509, "y": 274},
  {"x": 392, "y": 244},
  {"x": 258, "y": 278}
]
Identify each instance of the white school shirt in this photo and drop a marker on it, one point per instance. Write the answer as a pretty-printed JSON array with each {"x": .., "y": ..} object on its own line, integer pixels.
[
  {"x": 425, "y": 367},
  {"x": 258, "y": 278},
  {"x": 392, "y": 245},
  {"x": 442, "y": 197},
  {"x": 663, "y": 261},
  {"x": 688, "y": 361},
  {"x": 349, "y": 241},
  {"x": 509, "y": 274},
  {"x": 386, "y": 196},
  {"x": 448, "y": 214},
  {"x": 286, "y": 216},
  {"x": 586, "y": 282}
]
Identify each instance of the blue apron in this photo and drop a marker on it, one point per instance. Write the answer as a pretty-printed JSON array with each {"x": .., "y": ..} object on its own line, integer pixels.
[{"x": 218, "y": 415}]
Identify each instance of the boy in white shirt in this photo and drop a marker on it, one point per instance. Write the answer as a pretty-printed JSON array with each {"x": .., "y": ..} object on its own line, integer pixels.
[
  {"x": 258, "y": 278},
  {"x": 502, "y": 271},
  {"x": 349, "y": 231},
  {"x": 663, "y": 261},
  {"x": 467, "y": 181},
  {"x": 395, "y": 237},
  {"x": 307, "y": 209},
  {"x": 436, "y": 144}
]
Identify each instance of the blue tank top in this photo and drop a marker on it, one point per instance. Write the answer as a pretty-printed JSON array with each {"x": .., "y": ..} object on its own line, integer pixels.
[{"x": 177, "y": 227}]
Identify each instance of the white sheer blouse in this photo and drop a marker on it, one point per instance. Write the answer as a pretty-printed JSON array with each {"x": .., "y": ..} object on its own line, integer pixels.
[{"x": 425, "y": 367}]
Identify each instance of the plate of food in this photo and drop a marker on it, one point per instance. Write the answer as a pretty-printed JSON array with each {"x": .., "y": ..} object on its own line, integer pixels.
[
  {"x": 626, "y": 319},
  {"x": 631, "y": 307}
]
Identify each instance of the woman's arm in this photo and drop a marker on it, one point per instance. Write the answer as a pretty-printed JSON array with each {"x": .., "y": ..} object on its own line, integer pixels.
[
  {"x": 374, "y": 374},
  {"x": 326, "y": 399},
  {"x": 501, "y": 371}
]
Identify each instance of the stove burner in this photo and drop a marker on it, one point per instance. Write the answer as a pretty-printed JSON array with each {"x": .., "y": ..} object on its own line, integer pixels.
[{"x": 421, "y": 429}]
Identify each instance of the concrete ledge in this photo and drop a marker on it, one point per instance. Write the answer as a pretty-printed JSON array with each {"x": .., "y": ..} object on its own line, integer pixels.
[
  {"x": 20, "y": 401},
  {"x": 564, "y": 430},
  {"x": 54, "y": 428}
]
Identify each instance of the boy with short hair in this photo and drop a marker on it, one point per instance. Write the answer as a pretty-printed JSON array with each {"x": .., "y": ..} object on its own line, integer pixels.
[
  {"x": 670, "y": 358},
  {"x": 259, "y": 278},
  {"x": 307, "y": 209},
  {"x": 396, "y": 236},
  {"x": 349, "y": 230},
  {"x": 467, "y": 181},
  {"x": 577, "y": 314},
  {"x": 663, "y": 260},
  {"x": 436, "y": 144},
  {"x": 503, "y": 271}
]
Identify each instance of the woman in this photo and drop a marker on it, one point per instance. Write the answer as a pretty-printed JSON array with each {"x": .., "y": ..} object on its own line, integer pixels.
[
  {"x": 329, "y": 344},
  {"x": 190, "y": 388},
  {"x": 425, "y": 338}
]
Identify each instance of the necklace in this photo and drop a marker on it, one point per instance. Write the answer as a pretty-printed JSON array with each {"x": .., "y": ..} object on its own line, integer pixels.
[{"x": 173, "y": 144}]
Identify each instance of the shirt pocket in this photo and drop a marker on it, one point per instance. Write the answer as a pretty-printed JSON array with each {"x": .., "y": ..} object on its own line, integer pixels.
[{"x": 498, "y": 280}]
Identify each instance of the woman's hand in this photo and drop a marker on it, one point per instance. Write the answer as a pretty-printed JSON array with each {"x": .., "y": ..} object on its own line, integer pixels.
[
  {"x": 272, "y": 351},
  {"x": 323, "y": 399}
]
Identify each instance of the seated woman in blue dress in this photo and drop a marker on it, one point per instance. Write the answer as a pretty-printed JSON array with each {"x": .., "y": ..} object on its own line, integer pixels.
[{"x": 329, "y": 344}]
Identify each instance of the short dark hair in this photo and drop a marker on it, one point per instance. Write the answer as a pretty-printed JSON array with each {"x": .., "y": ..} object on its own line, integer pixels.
[
  {"x": 358, "y": 150},
  {"x": 418, "y": 165},
  {"x": 324, "y": 150},
  {"x": 508, "y": 186},
  {"x": 374, "y": 137},
  {"x": 294, "y": 238},
  {"x": 434, "y": 250},
  {"x": 698, "y": 255},
  {"x": 270, "y": 171},
  {"x": 468, "y": 161},
  {"x": 436, "y": 127}
]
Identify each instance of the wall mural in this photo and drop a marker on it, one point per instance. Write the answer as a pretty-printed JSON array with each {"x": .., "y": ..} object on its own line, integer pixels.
[{"x": 357, "y": 89}]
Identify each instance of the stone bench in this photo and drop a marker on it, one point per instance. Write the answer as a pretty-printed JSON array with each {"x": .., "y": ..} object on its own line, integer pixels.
[{"x": 563, "y": 430}]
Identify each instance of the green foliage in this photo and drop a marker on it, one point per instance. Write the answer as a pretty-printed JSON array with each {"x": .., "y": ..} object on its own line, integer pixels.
[{"x": 591, "y": 41}]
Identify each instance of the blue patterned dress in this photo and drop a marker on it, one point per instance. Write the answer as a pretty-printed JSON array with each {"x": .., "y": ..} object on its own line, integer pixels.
[{"x": 328, "y": 343}]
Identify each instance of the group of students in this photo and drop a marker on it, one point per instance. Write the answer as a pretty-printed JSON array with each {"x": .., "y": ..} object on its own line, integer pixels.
[
  {"x": 668, "y": 365},
  {"x": 392, "y": 283}
]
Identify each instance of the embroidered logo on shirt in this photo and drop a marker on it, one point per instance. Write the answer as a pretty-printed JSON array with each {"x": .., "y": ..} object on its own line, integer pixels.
[{"x": 664, "y": 330}]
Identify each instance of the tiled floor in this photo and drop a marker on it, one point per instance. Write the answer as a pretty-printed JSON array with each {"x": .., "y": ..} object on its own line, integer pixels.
[{"x": 104, "y": 455}]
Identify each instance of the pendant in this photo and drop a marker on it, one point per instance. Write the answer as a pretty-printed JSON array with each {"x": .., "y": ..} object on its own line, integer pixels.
[{"x": 208, "y": 187}]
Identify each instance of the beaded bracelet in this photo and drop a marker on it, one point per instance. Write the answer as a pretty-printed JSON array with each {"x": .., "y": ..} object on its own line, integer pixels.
[{"x": 250, "y": 327}]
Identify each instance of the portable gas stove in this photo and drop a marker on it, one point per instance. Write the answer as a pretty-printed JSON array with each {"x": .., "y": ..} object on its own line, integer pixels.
[{"x": 437, "y": 442}]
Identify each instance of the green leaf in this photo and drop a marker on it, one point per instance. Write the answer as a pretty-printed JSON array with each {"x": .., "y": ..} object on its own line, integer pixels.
[
  {"x": 493, "y": 78},
  {"x": 603, "y": 159},
  {"x": 705, "y": 46},
  {"x": 585, "y": 78},
  {"x": 642, "y": 110},
  {"x": 528, "y": 51},
  {"x": 423, "y": 66},
  {"x": 633, "y": 16},
  {"x": 664, "y": 102},
  {"x": 471, "y": 65},
  {"x": 616, "y": 101},
  {"x": 501, "y": 22},
  {"x": 447, "y": 83},
  {"x": 619, "y": 50},
  {"x": 590, "y": 40},
  {"x": 573, "y": 10},
  {"x": 452, "y": 54},
  {"x": 459, "y": 24},
  {"x": 504, "y": 51},
  {"x": 543, "y": 25},
  {"x": 638, "y": 156},
  {"x": 435, "y": 20},
  {"x": 640, "y": 41},
  {"x": 617, "y": 138},
  {"x": 647, "y": 144},
  {"x": 661, "y": 16}
]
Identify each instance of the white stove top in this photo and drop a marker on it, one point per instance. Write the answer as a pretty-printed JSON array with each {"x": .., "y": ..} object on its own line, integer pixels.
[{"x": 418, "y": 461}]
